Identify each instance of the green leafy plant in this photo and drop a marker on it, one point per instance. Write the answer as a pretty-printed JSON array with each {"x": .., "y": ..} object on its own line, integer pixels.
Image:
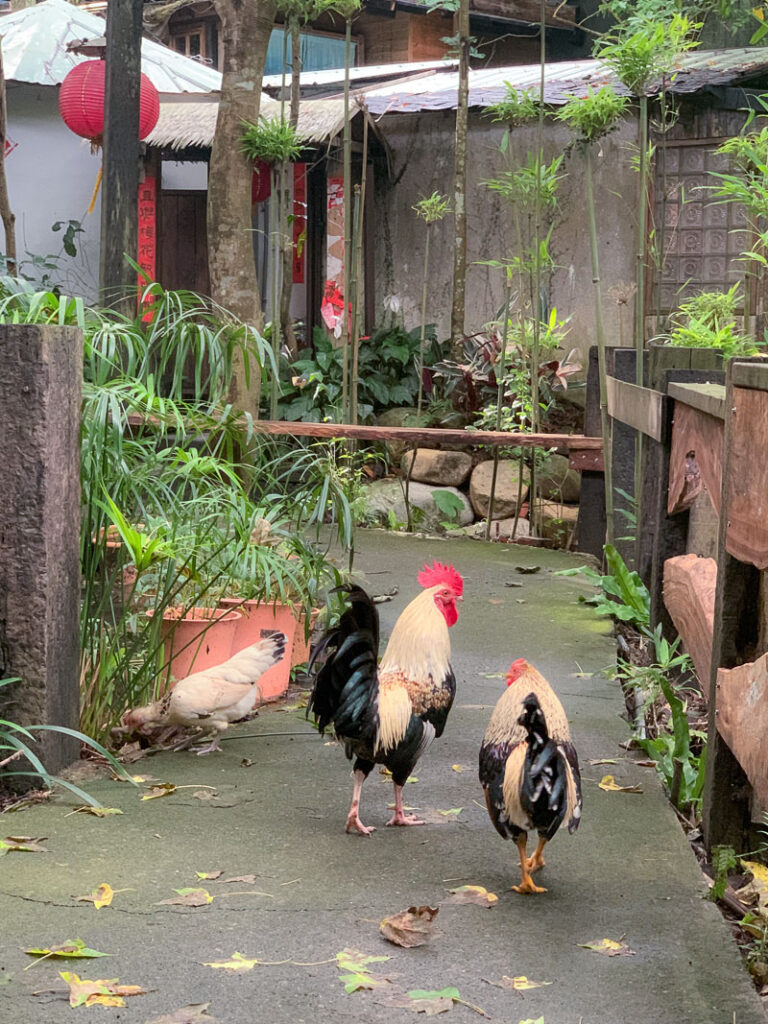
[
  {"x": 450, "y": 505},
  {"x": 708, "y": 320},
  {"x": 271, "y": 140},
  {"x": 724, "y": 861},
  {"x": 624, "y": 595}
]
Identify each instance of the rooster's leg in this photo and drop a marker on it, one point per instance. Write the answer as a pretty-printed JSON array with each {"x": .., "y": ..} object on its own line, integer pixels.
[
  {"x": 209, "y": 748},
  {"x": 353, "y": 818},
  {"x": 399, "y": 817},
  {"x": 526, "y": 882},
  {"x": 537, "y": 860}
]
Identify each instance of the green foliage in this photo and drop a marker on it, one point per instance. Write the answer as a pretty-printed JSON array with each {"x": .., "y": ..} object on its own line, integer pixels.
[
  {"x": 723, "y": 862},
  {"x": 645, "y": 50},
  {"x": 449, "y": 504},
  {"x": 533, "y": 180},
  {"x": 592, "y": 116},
  {"x": 624, "y": 595},
  {"x": 517, "y": 107},
  {"x": 72, "y": 228},
  {"x": 17, "y": 746},
  {"x": 388, "y": 376},
  {"x": 432, "y": 208},
  {"x": 273, "y": 140},
  {"x": 708, "y": 320}
]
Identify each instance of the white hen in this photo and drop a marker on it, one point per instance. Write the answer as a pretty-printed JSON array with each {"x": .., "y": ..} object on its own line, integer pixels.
[{"x": 210, "y": 700}]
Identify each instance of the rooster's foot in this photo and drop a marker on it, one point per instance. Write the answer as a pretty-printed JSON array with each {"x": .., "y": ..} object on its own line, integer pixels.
[
  {"x": 535, "y": 862},
  {"x": 405, "y": 819},
  {"x": 211, "y": 748},
  {"x": 355, "y": 825},
  {"x": 527, "y": 886}
]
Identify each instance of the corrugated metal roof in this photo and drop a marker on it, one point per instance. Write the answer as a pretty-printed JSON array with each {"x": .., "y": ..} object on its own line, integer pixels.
[
  {"x": 365, "y": 73},
  {"x": 35, "y": 39},
  {"x": 185, "y": 123},
  {"x": 563, "y": 79}
]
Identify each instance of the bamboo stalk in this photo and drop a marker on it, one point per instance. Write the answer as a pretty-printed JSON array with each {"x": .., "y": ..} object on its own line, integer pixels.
[
  {"x": 347, "y": 174},
  {"x": 600, "y": 330},
  {"x": 640, "y": 285},
  {"x": 6, "y": 213},
  {"x": 499, "y": 401},
  {"x": 274, "y": 218},
  {"x": 422, "y": 335},
  {"x": 353, "y": 287},
  {"x": 359, "y": 229}
]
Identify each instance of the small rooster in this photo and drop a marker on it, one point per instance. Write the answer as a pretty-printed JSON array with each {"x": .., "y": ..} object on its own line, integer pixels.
[
  {"x": 210, "y": 700},
  {"x": 390, "y": 713},
  {"x": 529, "y": 768}
]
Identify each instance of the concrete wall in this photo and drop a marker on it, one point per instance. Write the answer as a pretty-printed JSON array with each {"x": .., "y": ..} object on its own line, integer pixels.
[
  {"x": 422, "y": 148},
  {"x": 51, "y": 175}
]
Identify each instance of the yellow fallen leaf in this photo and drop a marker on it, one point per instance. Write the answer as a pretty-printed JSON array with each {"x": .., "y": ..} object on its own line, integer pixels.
[
  {"x": 97, "y": 812},
  {"x": 608, "y": 947},
  {"x": 473, "y": 894},
  {"x": 155, "y": 792},
  {"x": 759, "y": 883},
  {"x": 458, "y": 767},
  {"x": 104, "y": 992},
  {"x": 519, "y": 983},
  {"x": 209, "y": 875},
  {"x": 243, "y": 963},
  {"x": 609, "y": 784},
  {"x": 602, "y": 760},
  {"x": 189, "y": 898},
  {"x": 101, "y": 897}
]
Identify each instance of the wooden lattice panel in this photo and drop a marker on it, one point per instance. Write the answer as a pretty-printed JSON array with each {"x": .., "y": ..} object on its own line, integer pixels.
[{"x": 702, "y": 238}]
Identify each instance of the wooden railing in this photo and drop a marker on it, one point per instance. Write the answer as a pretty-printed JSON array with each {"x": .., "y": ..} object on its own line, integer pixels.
[{"x": 712, "y": 435}]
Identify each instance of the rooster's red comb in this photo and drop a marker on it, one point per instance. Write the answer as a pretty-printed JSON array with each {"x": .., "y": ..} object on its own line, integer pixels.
[
  {"x": 438, "y": 574},
  {"x": 516, "y": 669}
]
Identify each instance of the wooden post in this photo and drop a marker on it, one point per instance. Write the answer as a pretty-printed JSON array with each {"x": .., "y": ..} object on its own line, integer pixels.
[
  {"x": 119, "y": 215},
  {"x": 621, "y": 363},
  {"x": 40, "y": 388},
  {"x": 725, "y": 814},
  {"x": 591, "y": 522}
]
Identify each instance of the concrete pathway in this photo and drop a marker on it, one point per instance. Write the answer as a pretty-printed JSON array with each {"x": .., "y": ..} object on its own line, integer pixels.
[{"x": 282, "y": 796}]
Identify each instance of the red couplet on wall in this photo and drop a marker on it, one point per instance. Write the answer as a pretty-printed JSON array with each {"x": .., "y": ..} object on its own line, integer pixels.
[
  {"x": 147, "y": 255},
  {"x": 299, "y": 221}
]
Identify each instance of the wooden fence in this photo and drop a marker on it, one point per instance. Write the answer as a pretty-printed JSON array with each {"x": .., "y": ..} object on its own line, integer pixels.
[{"x": 707, "y": 431}]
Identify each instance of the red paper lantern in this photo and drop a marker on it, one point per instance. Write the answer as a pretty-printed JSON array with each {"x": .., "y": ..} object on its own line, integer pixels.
[{"x": 81, "y": 101}]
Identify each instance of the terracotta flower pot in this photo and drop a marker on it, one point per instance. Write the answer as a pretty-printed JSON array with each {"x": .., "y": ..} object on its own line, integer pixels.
[
  {"x": 258, "y": 620},
  {"x": 192, "y": 643},
  {"x": 301, "y": 642}
]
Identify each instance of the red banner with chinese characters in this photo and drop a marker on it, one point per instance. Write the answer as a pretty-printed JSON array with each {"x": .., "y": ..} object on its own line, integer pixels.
[
  {"x": 147, "y": 255},
  {"x": 299, "y": 221}
]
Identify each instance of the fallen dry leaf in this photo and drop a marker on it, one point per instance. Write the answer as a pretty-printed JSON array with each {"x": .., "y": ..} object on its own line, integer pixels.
[
  {"x": 97, "y": 812},
  {"x": 608, "y": 947},
  {"x": 473, "y": 894},
  {"x": 759, "y": 883},
  {"x": 246, "y": 762},
  {"x": 452, "y": 812},
  {"x": 248, "y": 879},
  {"x": 458, "y": 767},
  {"x": 429, "y": 1007},
  {"x": 104, "y": 992},
  {"x": 519, "y": 983},
  {"x": 238, "y": 962},
  {"x": 609, "y": 784},
  {"x": 21, "y": 844},
  {"x": 101, "y": 897},
  {"x": 70, "y": 949},
  {"x": 355, "y": 974},
  {"x": 209, "y": 875},
  {"x": 411, "y": 927},
  {"x": 602, "y": 760},
  {"x": 190, "y": 1014},
  {"x": 188, "y": 898},
  {"x": 155, "y": 792}
]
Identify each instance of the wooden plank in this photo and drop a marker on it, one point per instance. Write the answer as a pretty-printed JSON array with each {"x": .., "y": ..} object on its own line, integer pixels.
[
  {"x": 582, "y": 459},
  {"x": 726, "y": 810},
  {"x": 428, "y": 435},
  {"x": 689, "y": 596},
  {"x": 526, "y": 11},
  {"x": 753, "y": 374},
  {"x": 747, "y": 528},
  {"x": 621, "y": 364},
  {"x": 695, "y": 458},
  {"x": 590, "y": 525},
  {"x": 708, "y": 398},
  {"x": 742, "y": 701},
  {"x": 637, "y": 407}
]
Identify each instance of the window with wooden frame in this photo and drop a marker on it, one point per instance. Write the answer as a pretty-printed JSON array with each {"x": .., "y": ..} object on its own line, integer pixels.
[{"x": 192, "y": 42}]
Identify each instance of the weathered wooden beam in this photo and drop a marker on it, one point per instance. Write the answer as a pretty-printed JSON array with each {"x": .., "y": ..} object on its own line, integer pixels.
[
  {"x": 696, "y": 457},
  {"x": 689, "y": 596},
  {"x": 428, "y": 435},
  {"x": 119, "y": 202},
  {"x": 742, "y": 701},
  {"x": 582, "y": 459},
  {"x": 747, "y": 527},
  {"x": 750, "y": 374},
  {"x": 590, "y": 526},
  {"x": 637, "y": 407},
  {"x": 708, "y": 398},
  {"x": 40, "y": 395}
]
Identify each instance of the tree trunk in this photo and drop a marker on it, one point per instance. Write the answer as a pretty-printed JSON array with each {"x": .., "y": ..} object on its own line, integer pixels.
[
  {"x": 460, "y": 185},
  {"x": 9, "y": 220},
  {"x": 245, "y": 30},
  {"x": 289, "y": 335}
]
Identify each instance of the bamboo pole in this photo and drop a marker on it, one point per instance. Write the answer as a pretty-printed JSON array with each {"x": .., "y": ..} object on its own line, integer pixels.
[
  {"x": 499, "y": 401},
  {"x": 359, "y": 228},
  {"x": 422, "y": 334},
  {"x": 347, "y": 173},
  {"x": 600, "y": 330},
  {"x": 353, "y": 287},
  {"x": 6, "y": 213},
  {"x": 640, "y": 285},
  {"x": 274, "y": 219}
]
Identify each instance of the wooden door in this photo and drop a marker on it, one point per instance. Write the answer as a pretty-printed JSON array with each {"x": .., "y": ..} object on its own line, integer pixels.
[{"x": 183, "y": 249}]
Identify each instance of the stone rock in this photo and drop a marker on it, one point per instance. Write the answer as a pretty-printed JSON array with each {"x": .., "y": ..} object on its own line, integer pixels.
[
  {"x": 400, "y": 416},
  {"x": 501, "y": 529},
  {"x": 558, "y": 522},
  {"x": 449, "y": 469},
  {"x": 507, "y": 480},
  {"x": 556, "y": 480},
  {"x": 383, "y": 496}
]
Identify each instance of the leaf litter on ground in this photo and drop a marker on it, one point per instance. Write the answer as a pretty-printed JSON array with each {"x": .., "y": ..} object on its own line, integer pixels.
[
  {"x": 476, "y": 894},
  {"x": 431, "y": 1002},
  {"x": 209, "y": 875},
  {"x": 247, "y": 879},
  {"x": 97, "y": 812},
  {"x": 188, "y": 898},
  {"x": 520, "y": 983},
  {"x": 190, "y": 1014},
  {"x": 355, "y": 975},
  {"x": 104, "y": 992},
  {"x": 69, "y": 949},
  {"x": 102, "y": 896},
  {"x": 22, "y": 844},
  {"x": 610, "y": 785},
  {"x": 608, "y": 947},
  {"x": 412, "y": 927}
]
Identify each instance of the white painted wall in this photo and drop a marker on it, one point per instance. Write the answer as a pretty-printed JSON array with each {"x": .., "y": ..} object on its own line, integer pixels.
[{"x": 51, "y": 174}]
